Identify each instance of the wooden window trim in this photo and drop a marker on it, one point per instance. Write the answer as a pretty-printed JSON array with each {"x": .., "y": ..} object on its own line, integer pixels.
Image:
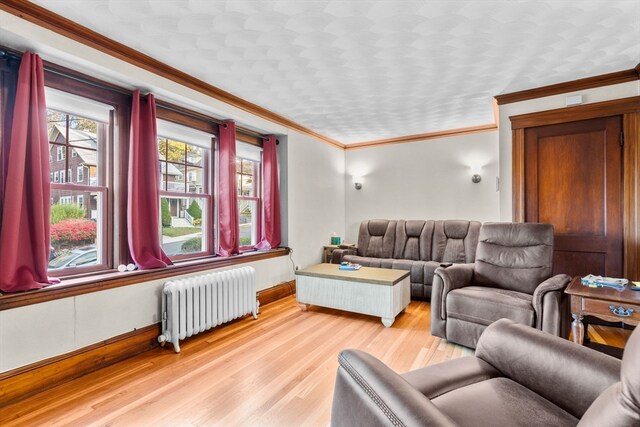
[
  {"x": 113, "y": 279},
  {"x": 629, "y": 109}
]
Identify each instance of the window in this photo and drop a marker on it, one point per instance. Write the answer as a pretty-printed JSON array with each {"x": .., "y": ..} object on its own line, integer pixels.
[
  {"x": 79, "y": 210},
  {"x": 249, "y": 193},
  {"x": 185, "y": 198}
]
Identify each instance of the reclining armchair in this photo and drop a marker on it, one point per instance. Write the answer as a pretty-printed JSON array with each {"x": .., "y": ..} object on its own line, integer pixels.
[
  {"x": 509, "y": 279},
  {"x": 519, "y": 376}
]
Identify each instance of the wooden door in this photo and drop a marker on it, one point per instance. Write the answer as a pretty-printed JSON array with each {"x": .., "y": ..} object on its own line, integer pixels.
[{"x": 573, "y": 180}]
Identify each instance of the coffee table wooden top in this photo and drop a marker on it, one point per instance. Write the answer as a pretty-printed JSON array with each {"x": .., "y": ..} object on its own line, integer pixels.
[
  {"x": 608, "y": 294},
  {"x": 378, "y": 276}
]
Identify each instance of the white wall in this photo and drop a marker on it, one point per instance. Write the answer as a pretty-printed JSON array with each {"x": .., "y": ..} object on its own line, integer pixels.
[
  {"x": 623, "y": 90},
  {"x": 428, "y": 179},
  {"x": 39, "y": 331},
  {"x": 312, "y": 180},
  {"x": 316, "y": 197}
]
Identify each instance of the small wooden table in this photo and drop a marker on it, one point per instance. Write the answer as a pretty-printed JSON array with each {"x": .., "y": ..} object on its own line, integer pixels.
[
  {"x": 328, "y": 251},
  {"x": 375, "y": 291},
  {"x": 603, "y": 303}
]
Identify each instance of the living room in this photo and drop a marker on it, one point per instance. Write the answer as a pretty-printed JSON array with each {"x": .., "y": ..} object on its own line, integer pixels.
[{"x": 414, "y": 134}]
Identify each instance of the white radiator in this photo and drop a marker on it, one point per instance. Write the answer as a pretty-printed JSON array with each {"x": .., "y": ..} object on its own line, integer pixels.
[{"x": 196, "y": 304}]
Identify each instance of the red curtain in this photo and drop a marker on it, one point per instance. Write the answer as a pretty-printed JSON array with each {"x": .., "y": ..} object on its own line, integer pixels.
[
  {"x": 229, "y": 227},
  {"x": 271, "y": 197},
  {"x": 24, "y": 232},
  {"x": 143, "y": 207}
]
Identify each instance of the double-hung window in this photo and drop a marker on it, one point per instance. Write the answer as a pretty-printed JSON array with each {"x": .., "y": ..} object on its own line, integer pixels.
[
  {"x": 79, "y": 212},
  {"x": 248, "y": 173},
  {"x": 186, "y": 206}
]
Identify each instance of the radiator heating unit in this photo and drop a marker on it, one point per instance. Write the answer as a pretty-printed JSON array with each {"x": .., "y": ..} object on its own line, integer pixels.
[{"x": 199, "y": 303}]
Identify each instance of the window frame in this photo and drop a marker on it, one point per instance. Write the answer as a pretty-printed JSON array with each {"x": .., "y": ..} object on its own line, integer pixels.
[
  {"x": 171, "y": 114},
  {"x": 116, "y": 155},
  {"x": 257, "y": 197},
  {"x": 64, "y": 184}
]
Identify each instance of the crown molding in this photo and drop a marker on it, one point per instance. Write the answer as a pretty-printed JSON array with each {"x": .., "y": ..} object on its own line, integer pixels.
[
  {"x": 65, "y": 27},
  {"x": 570, "y": 86},
  {"x": 424, "y": 136}
]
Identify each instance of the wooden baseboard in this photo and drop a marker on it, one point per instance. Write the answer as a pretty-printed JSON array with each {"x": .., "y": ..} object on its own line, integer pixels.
[
  {"x": 282, "y": 290},
  {"x": 36, "y": 377}
]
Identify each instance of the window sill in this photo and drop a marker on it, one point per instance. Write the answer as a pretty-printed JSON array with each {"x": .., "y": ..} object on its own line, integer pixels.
[{"x": 115, "y": 279}]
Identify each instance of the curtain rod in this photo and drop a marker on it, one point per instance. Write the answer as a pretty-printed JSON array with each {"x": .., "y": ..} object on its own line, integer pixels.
[
  {"x": 202, "y": 116},
  {"x": 5, "y": 54},
  {"x": 79, "y": 77}
]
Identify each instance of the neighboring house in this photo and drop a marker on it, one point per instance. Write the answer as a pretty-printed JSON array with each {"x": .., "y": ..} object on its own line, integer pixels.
[
  {"x": 81, "y": 168},
  {"x": 171, "y": 177}
]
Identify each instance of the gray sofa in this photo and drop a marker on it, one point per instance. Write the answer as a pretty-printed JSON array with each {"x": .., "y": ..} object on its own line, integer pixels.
[
  {"x": 418, "y": 246},
  {"x": 519, "y": 376}
]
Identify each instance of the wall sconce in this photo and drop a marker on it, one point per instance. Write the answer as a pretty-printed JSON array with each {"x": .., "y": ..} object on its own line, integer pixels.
[
  {"x": 357, "y": 182},
  {"x": 476, "y": 178}
]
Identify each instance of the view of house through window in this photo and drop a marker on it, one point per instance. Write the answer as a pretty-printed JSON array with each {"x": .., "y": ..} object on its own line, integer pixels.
[
  {"x": 77, "y": 199},
  {"x": 248, "y": 173},
  {"x": 184, "y": 197}
]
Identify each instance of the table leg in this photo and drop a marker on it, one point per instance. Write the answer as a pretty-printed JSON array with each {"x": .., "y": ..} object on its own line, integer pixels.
[
  {"x": 577, "y": 328},
  {"x": 388, "y": 321}
]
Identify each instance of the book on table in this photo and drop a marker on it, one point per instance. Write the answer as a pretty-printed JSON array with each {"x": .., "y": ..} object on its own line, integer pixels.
[
  {"x": 347, "y": 266},
  {"x": 594, "y": 281}
]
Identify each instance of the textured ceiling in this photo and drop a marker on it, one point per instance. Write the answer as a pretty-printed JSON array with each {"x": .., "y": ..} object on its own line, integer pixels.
[{"x": 358, "y": 70}]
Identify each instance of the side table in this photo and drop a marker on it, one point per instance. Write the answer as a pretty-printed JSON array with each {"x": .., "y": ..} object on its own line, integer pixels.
[
  {"x": 604, "y": 303},
  {"x": 328, "y": 250}
]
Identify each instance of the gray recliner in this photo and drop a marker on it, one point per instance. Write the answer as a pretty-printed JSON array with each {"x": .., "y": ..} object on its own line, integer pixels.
[
  {"x": 519, "y": 376},
  {"x": 510, "y": 279}
]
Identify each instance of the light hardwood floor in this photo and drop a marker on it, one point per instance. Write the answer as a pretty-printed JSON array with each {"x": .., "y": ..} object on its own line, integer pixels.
[{"x": 276, "y": 371}]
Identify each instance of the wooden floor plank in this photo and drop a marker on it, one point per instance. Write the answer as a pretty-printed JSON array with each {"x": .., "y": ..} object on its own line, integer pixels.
[{"x": 276, "y": 371}]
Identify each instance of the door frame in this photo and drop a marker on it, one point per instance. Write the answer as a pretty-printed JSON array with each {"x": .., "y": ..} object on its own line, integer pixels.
[{"x": 629, "y": 110}]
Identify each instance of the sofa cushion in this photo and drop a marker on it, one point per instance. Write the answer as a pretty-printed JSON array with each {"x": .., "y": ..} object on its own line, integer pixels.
[
  {"x": 455, "y": 241},
  {"x": 484, "y": 306},
  {"x": 421, "y": 271},
  {"x": 376, "y": 238},
  {"x": 413, "y": 240},
  {"x": 501, "y": 402},
  {"x": 514, "y": 256}
]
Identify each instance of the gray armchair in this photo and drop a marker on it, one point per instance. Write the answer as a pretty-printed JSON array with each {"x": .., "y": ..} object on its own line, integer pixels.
[
  {"x": 510, "y": 279},
  {"x": 519, "y": 376}
]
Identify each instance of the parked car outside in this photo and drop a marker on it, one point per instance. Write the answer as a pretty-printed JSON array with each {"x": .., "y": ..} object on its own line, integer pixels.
[{"x": 75, "y": 258}]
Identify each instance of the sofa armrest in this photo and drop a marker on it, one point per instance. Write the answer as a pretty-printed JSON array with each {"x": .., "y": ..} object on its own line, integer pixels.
[
  {"x": 441, "y": 378},
  {"x": 550, "y": 305},
  {"x": 444, "y": 281},
  {"x": 368, "y": 393},
  {"x": 337, "y": 254},
  {"x": 556, "y": 283},
  {"x": 569, "y": 375}
]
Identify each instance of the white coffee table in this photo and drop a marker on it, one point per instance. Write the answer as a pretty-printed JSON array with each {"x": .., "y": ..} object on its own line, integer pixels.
[{"x": 380, "y": 292}]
